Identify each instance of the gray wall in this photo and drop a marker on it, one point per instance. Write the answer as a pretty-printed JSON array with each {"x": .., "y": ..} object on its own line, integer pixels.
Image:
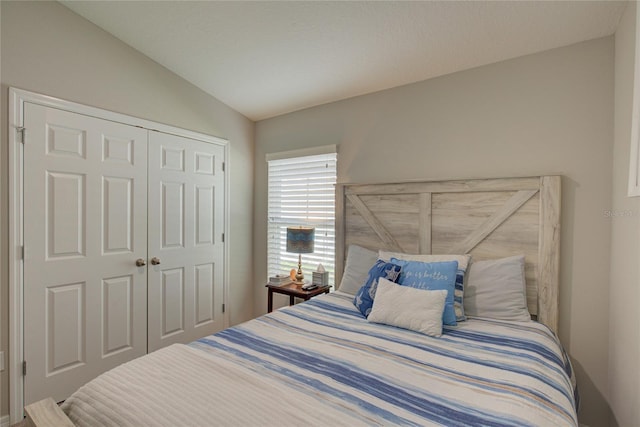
[
  {"x": 624, "y": 289},
  {"x": 46, "y": 48},
  {"x": 548, "y": 113}
]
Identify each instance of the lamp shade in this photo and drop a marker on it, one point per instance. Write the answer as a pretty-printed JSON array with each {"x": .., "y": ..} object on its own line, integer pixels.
[{"x": 300, "y": 239}]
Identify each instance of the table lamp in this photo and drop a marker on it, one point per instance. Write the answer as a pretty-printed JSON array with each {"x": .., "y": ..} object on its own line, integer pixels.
[{"x": 300, "y": 241}]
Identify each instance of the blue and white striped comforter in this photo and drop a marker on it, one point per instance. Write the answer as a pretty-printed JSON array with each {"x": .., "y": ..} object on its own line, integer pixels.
[{"x": 322, "y": 363}]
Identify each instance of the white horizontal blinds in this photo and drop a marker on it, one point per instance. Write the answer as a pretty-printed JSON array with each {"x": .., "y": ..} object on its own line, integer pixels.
[{"x": 302, "y": 192}]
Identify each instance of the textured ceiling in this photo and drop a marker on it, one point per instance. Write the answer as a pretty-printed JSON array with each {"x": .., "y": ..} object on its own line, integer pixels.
[{"x": 268, "y": 58}]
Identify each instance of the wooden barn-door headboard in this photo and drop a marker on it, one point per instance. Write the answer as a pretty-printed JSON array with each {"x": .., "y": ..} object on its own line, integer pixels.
[{"x": 487, "y": 218}]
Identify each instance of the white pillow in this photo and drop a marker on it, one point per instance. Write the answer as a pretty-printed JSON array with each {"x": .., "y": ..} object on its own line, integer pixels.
[
  {"x": 356, "y": 270},
  {"x": 419, "y": 310},
  {"x": 497, "y": 289}
]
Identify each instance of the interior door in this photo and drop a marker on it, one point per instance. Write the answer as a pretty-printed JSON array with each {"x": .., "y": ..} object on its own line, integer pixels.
[
  {"x": 85, "y": 213},
  {"x": 186, "y": 199}
]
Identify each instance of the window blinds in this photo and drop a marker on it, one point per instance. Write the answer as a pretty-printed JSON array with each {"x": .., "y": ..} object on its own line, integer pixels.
[{"x": 302, "y": 192}]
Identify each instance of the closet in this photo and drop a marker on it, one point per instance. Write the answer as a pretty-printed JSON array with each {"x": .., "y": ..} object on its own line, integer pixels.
[{"x": 123, "y": 244}]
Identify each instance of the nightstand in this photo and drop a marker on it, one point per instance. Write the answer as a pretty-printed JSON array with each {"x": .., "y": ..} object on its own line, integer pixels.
[{"x": 294, "y": 291}]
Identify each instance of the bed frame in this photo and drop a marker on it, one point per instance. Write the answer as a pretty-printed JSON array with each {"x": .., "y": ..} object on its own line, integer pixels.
[{"x": 487, "y": 218}]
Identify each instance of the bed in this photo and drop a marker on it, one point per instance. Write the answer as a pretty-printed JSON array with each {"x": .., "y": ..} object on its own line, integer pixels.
[{"x": 323, "y": 363}]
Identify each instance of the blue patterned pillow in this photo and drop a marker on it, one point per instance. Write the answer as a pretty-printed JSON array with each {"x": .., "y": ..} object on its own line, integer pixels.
[
  {"x": 364, "y": 298},
  {"x": 432, "y": 276},
  {"x": 463, "y": 267}
]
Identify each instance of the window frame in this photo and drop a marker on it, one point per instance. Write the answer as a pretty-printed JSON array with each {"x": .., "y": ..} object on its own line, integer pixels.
[{"x": 319, "y": 213}]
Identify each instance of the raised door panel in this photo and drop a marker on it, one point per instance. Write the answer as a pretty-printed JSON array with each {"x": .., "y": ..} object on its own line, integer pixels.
[
  {"x": 117, "y": 215},
  {"x": 204, "y": 302},
  {"x": 204, "y": 215},
  {"x": 117, "y": 150},
  {"x": 172, "y": 301},
  {"x": 65, "y": 212},
  {"x": 65, "y": 328},
  {"x": 117, "y": 315},
  {"x": 66, "y": 142},
  {"x": 172, "y": 213}
]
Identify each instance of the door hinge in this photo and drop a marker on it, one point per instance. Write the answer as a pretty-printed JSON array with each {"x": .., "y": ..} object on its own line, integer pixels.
[
  {"x": 222, "y": 166},
  {"x": 223, "y": 308},
  {"x": 24, "y": 367},
  {"x": 22, "y": 131},
  {"x": 22, "y": 252},
  {"x": 222, "y": 237}
]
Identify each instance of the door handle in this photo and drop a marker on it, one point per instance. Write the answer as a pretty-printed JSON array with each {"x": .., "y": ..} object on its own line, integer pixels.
[
  {"x": 140, "y": 262},
  {"x": 155, "y": 261}
]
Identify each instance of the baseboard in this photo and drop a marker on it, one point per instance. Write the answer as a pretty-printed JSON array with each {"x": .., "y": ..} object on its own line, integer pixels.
[{"x": 4, "y": 421}]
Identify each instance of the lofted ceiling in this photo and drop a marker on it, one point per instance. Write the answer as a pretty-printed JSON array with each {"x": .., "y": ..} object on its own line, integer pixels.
[{"x": 266, "y": 58}]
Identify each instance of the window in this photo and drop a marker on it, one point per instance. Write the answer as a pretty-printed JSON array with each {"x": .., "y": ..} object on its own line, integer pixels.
[{"x": 302, "y": 192}]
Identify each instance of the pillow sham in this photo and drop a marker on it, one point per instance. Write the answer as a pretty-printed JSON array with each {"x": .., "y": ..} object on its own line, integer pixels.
[
  {"x": 461, "y": 275},
  {"x": 409, "y": 308},
  {"x": 366, "y": 294},
  {"x": 431, "y": 276},
  {"x": 497, "y": 289},
  {"x": 356, "y": 269}
]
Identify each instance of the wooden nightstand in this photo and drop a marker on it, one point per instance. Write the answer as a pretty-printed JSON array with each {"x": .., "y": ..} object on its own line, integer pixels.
[{"x": 294, "y": 291}]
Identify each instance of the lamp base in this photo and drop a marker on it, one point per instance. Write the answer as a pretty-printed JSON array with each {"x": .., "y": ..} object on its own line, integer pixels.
[{"x": 299, "y": 275}]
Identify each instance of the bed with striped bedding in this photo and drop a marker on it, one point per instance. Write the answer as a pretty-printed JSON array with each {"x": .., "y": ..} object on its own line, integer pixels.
[{"x": 322, "y": 363}]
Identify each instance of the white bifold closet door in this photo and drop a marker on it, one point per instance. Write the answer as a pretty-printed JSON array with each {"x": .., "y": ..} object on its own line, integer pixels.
[
  {"x": 186, "y": 193},
  {"x": 100, "y": 197},
  {"x": 85, "y": 224}
]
